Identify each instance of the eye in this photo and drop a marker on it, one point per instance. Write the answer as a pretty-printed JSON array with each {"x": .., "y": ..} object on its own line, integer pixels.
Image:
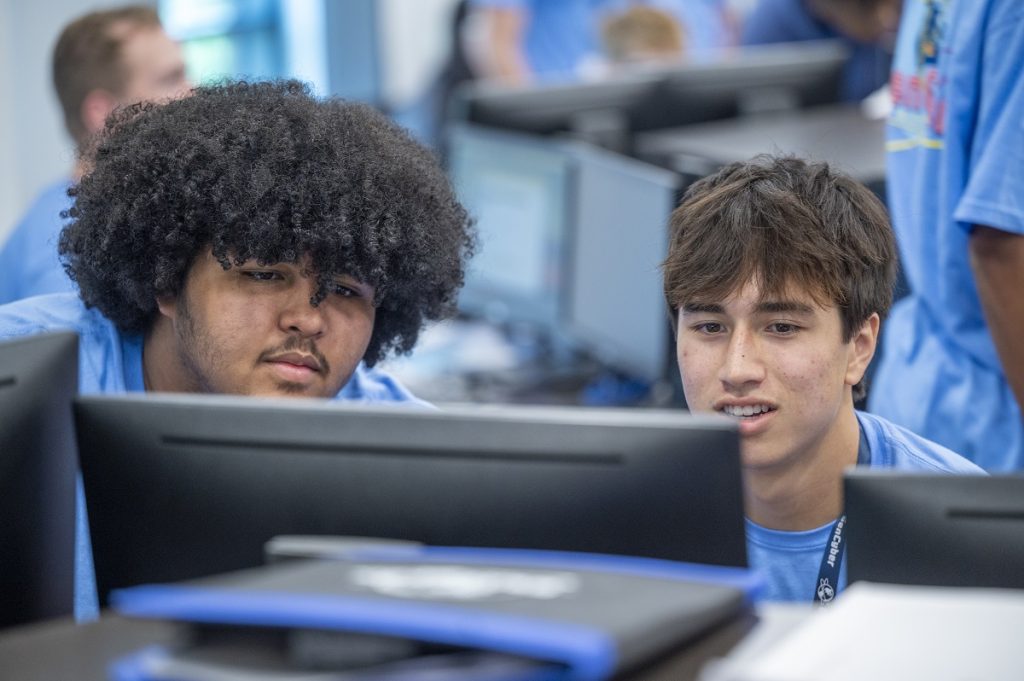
[
  {"x": 783, "y": 328},
  {"x": 261, "y": 275},
  {"x": 345, "y": 291},
  {"x": 709, "y": 328}
]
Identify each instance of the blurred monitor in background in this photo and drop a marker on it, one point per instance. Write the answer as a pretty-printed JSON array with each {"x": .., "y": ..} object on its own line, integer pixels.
[
  {"x": 101, "y": 61},
  {"x": 570, "y": 238},
  {"x": 868, "y": 27},
  {"x": 610, "y": 111}
]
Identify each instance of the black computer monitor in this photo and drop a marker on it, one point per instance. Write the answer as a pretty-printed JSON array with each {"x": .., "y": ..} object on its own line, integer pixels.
[
  {"x": 753, "y": 78},
  {"x": 941, "y": 530},
  {"x": 38, "y": 379},
  {"x": 184, "y": 486}
]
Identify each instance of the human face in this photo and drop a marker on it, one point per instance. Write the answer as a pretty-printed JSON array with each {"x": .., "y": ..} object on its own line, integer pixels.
[
  {"x": 251, "y": 330},
  {"x": 154, "y": 66},
  {"x": 779, "y": 366}
]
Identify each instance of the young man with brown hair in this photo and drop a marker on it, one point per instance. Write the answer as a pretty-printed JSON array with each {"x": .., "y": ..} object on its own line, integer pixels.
[
  {"x": 101, "y": 61},
  {"x": 779, "y": 273}
]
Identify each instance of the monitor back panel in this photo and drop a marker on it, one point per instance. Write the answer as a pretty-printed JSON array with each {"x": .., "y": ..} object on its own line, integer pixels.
[
  {"x": 177, "y": 490},
  {"x": 943, "y": 530},
  {"x": 38, "y": 379}
]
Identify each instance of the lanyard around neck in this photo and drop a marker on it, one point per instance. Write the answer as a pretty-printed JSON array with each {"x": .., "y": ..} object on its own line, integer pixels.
[{"x": 827, "y": 584}]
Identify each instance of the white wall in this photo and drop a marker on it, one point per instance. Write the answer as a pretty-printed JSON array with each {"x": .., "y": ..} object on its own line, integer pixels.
[
  {"x": 34, "y": 148},
  {"x": 414, "y": 44},
  {"x": 8, "y": 191}
]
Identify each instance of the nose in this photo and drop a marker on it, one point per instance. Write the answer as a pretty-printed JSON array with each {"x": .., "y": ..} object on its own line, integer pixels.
[
  {"x": 742, "y": 365},
  {"x": 297, "y": 316}
]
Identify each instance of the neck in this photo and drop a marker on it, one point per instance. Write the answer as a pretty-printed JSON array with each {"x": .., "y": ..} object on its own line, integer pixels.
[
  {"x": 806, "y": 492},
  {"x": 162, "y": 366}
]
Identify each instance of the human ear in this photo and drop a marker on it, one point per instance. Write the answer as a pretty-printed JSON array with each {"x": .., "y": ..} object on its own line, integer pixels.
[
  {"x": 96, "y": 106},
  {"x": 167, "y": 305},
  {"x": 862, "y": 349}
]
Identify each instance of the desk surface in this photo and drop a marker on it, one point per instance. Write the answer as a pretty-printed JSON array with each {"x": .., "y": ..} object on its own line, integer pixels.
[
  {"x": 63, "y": 651},
  {"x": 840, "y": 135}
]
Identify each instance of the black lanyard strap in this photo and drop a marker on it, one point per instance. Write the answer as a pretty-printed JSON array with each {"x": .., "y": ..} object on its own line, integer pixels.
[{"x": 827, "y": 584}]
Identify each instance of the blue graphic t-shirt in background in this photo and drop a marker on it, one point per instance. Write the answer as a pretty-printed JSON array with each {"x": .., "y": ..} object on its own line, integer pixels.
[
  {"x": 790, "y": 561},
  {"x": 29, "y": 265},
  {"x": 783, "y": 21},
  {"x": 109, "y": 362},
  {"x": 956, "y": 159}
]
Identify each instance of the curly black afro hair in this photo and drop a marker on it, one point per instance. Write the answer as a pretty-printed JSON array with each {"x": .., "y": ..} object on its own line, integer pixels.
[{"x": 266, "y": 171}]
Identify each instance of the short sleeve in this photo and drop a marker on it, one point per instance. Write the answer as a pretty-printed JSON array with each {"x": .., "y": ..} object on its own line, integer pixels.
[{"x": 993, "y": 195}]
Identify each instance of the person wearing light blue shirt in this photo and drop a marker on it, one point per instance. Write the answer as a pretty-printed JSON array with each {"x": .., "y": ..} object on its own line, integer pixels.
[
  {"x": 791, "y": 560},
  {"x": 952, "y": 363},
  {"x": 29, "y": 265},
  {"x": 102, "y": 60},
  {"x": 251, "y": 239},
  {"x": 779, "y": 273},
  {"x": 547, "y": 40}
]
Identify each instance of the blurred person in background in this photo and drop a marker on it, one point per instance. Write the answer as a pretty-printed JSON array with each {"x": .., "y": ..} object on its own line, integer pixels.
[
  {"x": 101, "y": 61},
  {"x": 953, "y": 362},
  {"x": 519, "y": 41},
  {"x": 867, "y": 27}
]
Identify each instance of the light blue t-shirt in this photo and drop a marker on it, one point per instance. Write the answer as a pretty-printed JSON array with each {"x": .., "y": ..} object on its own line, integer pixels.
[
  {"x": 29, "y": 265},
  {"x": 559, "y": 35},
  {"x": 783, "y": 21},
  {"x": 956, "y": 159},
  {"x": 790, "y": 561},
  {"x": 109, "y": 362}
]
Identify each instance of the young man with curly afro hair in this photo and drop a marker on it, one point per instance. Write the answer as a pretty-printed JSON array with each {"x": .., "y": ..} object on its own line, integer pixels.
[
  {"x": 251, "y": 239},
  {"x": 779, "y": 272}
]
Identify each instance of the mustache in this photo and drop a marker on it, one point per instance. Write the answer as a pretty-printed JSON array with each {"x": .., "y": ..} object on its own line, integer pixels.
[{"x": 297, "y": 344}]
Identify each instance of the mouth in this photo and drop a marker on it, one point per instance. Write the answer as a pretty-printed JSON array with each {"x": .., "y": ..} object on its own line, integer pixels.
[
  {"x": 752, "y": 417},
  {"x": 747, "y": 411},
  {"x": 295, "y": 366}
]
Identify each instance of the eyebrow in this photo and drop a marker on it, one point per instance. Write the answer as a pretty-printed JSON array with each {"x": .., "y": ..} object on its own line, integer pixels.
[{"x": 766, "y": 307}]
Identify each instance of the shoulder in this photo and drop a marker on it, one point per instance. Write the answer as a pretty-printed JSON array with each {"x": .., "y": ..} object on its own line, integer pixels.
[
  {"x": 55, "y": 312},
  {"x": 48, "y": 205},
  {"x": 60, "y": 311},
  {"x": 375, "y": 386},
  {"x": 893, "y": 446},
  {"x": 100, "y": 366}
]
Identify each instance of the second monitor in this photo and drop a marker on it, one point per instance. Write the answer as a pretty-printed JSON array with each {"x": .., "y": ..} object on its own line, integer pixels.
[
  {"x": 184, "y": 486},
  {"x": 571, "y": 242}
]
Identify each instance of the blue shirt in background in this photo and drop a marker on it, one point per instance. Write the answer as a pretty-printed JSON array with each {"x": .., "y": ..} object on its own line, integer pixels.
[
  {"x": 790, "y": 561},
  {"x": 559, "y": 35},
  {"x": 109, "y": 362},
  {"x": 783, "y": 21},
  {"x": 955, "y": 146},
  {"x": 29, "y": 265}
]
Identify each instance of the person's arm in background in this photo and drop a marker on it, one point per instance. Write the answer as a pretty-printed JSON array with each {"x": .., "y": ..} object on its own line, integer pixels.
[
  {"x": 997, "y": 260},
  {"x": 494, "y": 41},
  {"x": 779, "y": 21},
  {"x": 992, "y": 200}
]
